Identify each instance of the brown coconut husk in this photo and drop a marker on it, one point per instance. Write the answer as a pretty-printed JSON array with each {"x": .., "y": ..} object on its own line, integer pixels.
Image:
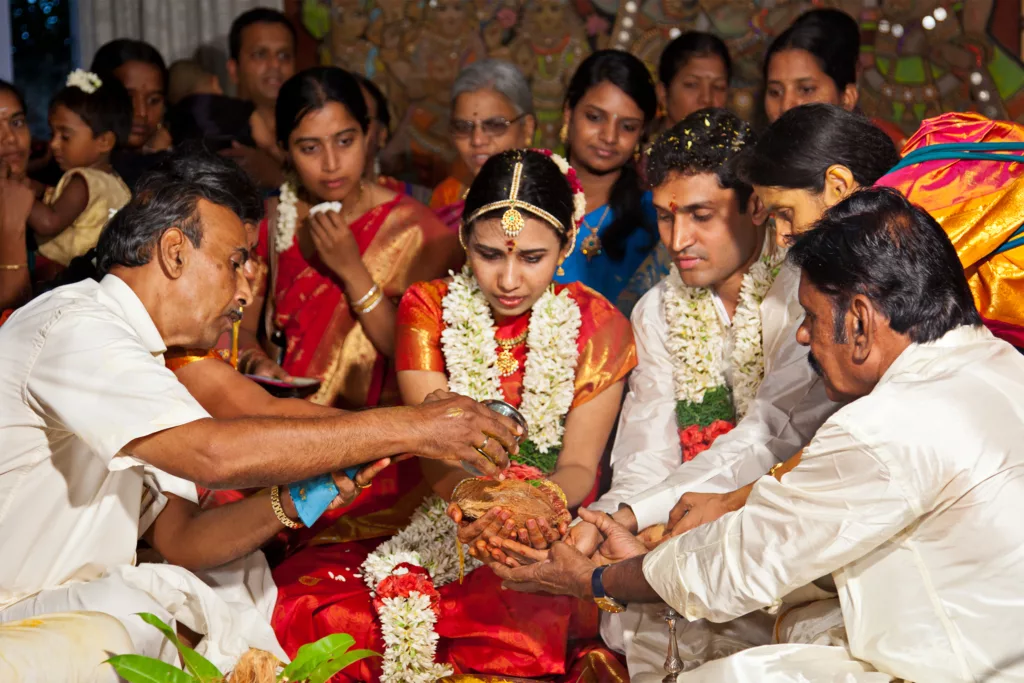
[
  {"x": 525, "y": 500},
  {"x": 255, "y": 666}
]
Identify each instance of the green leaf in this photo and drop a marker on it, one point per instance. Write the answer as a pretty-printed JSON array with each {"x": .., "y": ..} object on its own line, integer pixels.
[
  {"x": 139, "y": 669},
  {"x": 312, "y": 655},
  {"x": 323, "y": 653},
  {"x": 324, "y": 672},
  {"x": 201, "y": 668},
  {"x": 716, "y": 405}
]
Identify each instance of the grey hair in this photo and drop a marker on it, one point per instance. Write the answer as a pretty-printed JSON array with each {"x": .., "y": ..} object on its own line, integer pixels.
[{"x": 495, "y": 74}]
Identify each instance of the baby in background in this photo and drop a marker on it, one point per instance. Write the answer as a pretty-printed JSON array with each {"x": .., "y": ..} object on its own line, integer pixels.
[
  {"x": 88, "y": 119},
  {"x": 188, "y": 77}
]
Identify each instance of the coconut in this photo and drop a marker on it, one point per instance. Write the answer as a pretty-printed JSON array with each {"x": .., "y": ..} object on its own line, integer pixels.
[{"x": 535, "y": 499}]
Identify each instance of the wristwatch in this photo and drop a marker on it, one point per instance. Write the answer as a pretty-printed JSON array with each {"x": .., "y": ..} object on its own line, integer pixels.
[{"x": 603, "y": 601}]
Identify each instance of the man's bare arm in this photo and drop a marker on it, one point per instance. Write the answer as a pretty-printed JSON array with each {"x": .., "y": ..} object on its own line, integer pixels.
[
  {"x": 625, "y": 581},
  {"x": 249, "y": 452},
  {"x": 197, "y": 539}
]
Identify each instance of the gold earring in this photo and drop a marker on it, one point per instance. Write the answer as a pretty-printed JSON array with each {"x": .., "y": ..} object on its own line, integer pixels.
[
  {"x": 563, "y": 135},
  {"x": 560, "y": 272}
]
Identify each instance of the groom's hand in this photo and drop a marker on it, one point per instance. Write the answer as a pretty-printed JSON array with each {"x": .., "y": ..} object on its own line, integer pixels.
[{"x": 619, "y": 544}]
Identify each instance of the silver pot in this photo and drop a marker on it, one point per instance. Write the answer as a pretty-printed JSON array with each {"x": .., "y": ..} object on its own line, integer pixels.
[{"x": 508, "y": 411}]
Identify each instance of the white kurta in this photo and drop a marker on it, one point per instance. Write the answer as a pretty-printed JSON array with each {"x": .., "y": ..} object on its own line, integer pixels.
[
  {"x": 646, "y": 459},
  {"x": 912, "y": 498},
  {"x": 789, "y": 407},
  {"x": 81, "y": 376}
]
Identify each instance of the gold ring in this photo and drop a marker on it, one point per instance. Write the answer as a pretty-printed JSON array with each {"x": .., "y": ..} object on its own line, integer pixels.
[{"x": 362, "y": 486}]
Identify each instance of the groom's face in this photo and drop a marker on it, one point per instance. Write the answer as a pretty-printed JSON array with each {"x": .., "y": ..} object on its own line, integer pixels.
[{"x": 702, "y": 226}]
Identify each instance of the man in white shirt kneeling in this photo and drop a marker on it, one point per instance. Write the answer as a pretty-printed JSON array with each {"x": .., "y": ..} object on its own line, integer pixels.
[
  {"x": 100, "y": 444},
  {"x": 908, "y": 496}
]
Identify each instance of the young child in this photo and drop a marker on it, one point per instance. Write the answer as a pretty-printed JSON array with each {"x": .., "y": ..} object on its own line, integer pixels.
[{"x": 88, "y": 119}]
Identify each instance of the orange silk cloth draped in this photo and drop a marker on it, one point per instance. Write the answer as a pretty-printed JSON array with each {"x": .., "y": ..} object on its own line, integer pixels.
[
  {"x": 483, "y": 629},
  {"x": 979, "y": 204},
  {"x": 400, "y": 241}
]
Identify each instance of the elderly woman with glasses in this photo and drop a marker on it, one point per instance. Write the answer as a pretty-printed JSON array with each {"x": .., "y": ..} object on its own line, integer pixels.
[{"x": 492, "y": 111}]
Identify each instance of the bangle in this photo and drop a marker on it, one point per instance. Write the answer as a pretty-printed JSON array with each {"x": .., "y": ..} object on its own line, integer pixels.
[
  {"x": 369, "y": 305},
  {"x": 774, "y": 469},
  {"x": 13, "y": 266},
  {"x": 275, "y": 503},
  {"x": 366, "y": 297}
]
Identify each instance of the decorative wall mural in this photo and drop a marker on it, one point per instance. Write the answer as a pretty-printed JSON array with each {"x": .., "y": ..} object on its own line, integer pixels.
[{"x": 920, "y": 57}]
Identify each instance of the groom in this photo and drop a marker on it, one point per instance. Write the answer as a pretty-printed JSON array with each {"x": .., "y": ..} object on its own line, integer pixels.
[{"x": 729, "y": 274}]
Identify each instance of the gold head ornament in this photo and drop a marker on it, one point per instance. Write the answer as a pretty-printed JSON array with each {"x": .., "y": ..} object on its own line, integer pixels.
[{"x": 512, "y": 221}]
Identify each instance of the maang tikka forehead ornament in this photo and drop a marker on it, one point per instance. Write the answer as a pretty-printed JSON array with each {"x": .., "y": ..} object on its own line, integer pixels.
[{"x": 512, "y": 221}]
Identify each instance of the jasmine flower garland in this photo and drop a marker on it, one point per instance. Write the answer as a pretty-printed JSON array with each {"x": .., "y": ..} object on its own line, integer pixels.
[
  {"x": 549, "y": 381},
  {"x": 287, "y": 217},
  {"x": 407, "y": 621},
  {"x": 705, "y": 405}
]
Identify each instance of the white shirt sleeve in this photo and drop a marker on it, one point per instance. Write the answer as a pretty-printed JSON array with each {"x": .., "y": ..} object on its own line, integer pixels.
[
  {"x": 839, "y": 503},
  {"x": 94, "y": 378},
  {"x": 646, "y": 446},
  {"x": 789, "y": 407}
]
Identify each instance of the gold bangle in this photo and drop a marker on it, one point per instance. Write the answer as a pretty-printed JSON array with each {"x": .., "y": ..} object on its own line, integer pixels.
[
  {"x": 370, "y": 305},
  {"x": 13, "y": 266},
  {"x": 366, "y": 297},
  {"x": 275, "y": 503}
]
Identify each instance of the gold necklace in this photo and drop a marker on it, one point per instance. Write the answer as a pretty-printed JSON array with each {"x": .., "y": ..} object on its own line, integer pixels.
[
  {"x": 591, "y": 246},
  {"x": 507, "y": 363}
]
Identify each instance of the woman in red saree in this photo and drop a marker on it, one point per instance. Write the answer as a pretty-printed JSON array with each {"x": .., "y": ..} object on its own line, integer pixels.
[
  {"x": 332, "y": 279},
  {"x": 335, "y": 270},
  {"x": 571, "y": 401},
  {"x": 492, "y": 111}
]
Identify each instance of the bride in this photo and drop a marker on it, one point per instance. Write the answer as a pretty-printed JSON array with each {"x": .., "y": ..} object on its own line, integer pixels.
[{"x": 498, "y": 329}]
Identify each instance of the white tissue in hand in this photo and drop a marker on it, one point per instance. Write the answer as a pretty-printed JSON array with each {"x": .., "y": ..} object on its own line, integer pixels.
[{"x": 324, "y": 207}]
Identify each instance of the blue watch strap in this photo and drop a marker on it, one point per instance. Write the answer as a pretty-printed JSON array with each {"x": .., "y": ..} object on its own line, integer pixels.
[
  {"x": 596, "y": 585},
  {"x": 312, "y": 497}
]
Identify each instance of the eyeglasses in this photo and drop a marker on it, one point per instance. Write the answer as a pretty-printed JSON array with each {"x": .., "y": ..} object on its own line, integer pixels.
[{"x": 492, "y": 127}]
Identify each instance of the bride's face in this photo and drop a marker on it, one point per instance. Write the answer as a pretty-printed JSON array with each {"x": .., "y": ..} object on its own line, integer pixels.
[
  {"x": 513, "y": 273},
  {"x": 328, "y": 151}
]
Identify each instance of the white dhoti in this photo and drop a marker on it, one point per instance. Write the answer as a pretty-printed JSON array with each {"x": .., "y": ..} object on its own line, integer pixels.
[
  {"x": 804, "y": 642},
  {"x": 233, "y": 613}
]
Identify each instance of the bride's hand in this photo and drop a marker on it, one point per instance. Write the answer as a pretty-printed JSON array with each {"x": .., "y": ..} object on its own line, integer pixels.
[
  {"x": 539, "y": 535},
  {"x": 483, "y": 535}
]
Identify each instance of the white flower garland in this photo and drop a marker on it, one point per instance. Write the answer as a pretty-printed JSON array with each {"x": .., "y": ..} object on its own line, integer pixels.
[
  {"x": 407, "y": 624},
  {"x": 471, "y": 357},
  {"x": 287, "y": 217},
  {"x": 748, "y": 349},
  {"x": 429, "y": 542},
  {"x": 696, "y": 339},
  {"x": 410, "y": 641},
  {"x": 86, "y": 81}
]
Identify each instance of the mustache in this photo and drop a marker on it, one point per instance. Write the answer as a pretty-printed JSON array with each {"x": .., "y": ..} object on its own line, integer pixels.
[
  {"x": 815, "y": 365},
  {"x": 235, "y": 314}
]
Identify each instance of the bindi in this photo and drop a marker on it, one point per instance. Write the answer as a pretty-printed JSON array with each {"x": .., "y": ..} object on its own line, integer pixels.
[{"x": 510, "y": 245}]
